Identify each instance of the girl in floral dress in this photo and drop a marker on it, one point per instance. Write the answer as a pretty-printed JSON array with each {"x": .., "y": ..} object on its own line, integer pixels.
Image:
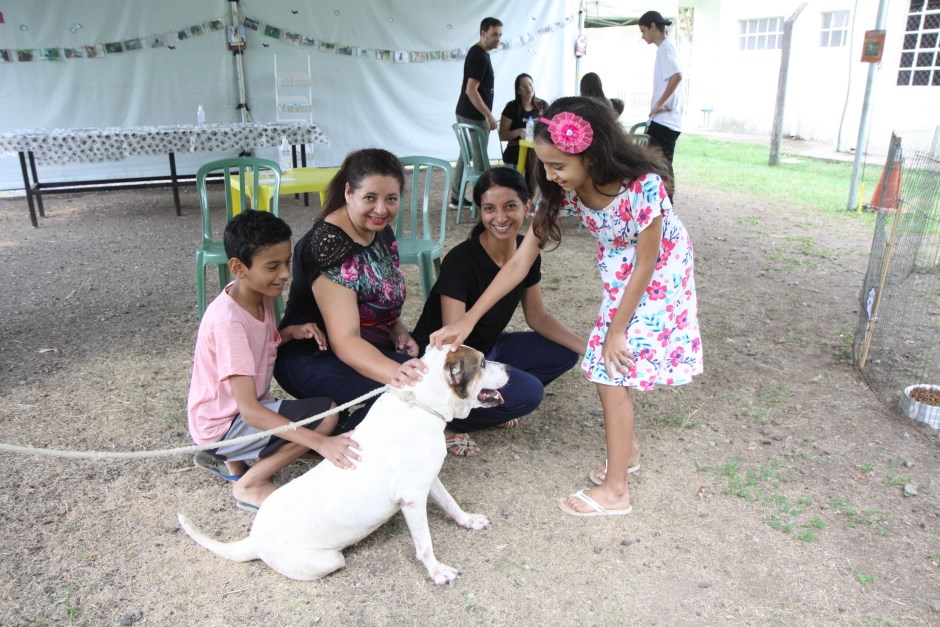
[{"x": 646, "y": 331}]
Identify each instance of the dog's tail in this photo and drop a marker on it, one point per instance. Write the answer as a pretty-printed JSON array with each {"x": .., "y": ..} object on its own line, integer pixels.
[{"x": 239, "y": 551}]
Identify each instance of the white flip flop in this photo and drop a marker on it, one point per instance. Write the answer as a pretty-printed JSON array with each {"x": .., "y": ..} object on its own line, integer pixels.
[
  {"x": 598, "y": 510},
  {"x": 597, "y": 480}
]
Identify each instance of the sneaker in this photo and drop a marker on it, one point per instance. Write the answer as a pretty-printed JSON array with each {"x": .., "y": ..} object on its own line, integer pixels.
[{"x": 454, "y": 202}]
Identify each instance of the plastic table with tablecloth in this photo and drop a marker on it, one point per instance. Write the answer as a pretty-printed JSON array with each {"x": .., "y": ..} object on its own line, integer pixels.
[{"x": 101, "y": 145}]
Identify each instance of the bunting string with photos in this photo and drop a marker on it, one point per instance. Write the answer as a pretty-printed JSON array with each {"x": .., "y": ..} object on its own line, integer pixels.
[
  {"x": 385, "y": 54},
  {"x": 235, "y": 36},
  {"x": 100, "y": 49}
]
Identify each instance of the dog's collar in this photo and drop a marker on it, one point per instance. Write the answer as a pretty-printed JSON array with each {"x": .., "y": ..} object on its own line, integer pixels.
[{"x": 409, "y": 397}]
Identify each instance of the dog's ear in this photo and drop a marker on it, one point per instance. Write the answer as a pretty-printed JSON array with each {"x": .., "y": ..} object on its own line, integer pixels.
[{"x": 458, "y": 372}]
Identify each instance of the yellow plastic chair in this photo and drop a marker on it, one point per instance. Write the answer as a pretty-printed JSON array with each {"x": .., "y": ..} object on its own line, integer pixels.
[
  {"x": 476, "y": 161},
  {"x": 415, "y": 231},
  {"x": 212, "y": 252}
]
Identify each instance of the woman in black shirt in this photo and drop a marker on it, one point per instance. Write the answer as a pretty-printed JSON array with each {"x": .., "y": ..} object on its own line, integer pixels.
[
  {"x": 537, "y": 357},
  {"x": 515, "y": 115}
]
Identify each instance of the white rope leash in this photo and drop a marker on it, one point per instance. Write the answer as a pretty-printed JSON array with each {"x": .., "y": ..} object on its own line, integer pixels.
[{"x": 51, "y": 452}]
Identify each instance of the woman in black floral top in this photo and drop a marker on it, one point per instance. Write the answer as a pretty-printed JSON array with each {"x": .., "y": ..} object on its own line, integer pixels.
[{"x": 347, "y": 280}]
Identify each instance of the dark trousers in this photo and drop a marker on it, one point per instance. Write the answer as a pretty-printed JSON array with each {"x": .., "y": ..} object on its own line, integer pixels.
[
  {"x": 664, "y": 138},
  {"x": 303, "y": 374},
  {"x": 535, "y": 362}
]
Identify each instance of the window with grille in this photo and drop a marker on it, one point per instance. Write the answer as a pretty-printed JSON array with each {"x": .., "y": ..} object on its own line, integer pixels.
[
  {"x": 835, "y": 29},
  {"x": 761, "y": 34},
  {"x": 920, "y": 53}
]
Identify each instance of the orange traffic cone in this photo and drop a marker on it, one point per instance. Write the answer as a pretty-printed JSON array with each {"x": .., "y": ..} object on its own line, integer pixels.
[{"x": 888, "y": 189}]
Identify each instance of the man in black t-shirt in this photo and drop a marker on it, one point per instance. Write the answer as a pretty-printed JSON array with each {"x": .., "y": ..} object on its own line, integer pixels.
[{"x": 475, "y": 105}]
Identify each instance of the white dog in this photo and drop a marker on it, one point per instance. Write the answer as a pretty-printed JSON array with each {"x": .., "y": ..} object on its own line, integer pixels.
[{"x": 301, "y": 529}]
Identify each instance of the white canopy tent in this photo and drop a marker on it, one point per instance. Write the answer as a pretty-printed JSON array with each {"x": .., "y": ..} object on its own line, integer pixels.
[
  {"x": 604, "y": 13},
  {"x": 358, "y": 99}
]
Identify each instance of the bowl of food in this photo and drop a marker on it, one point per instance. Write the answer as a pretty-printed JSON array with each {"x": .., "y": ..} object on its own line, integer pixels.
[{"x": 922, "y": 403}]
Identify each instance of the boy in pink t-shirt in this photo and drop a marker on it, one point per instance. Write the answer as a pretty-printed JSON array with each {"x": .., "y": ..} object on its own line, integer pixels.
[{"x": 229, "y": 395}]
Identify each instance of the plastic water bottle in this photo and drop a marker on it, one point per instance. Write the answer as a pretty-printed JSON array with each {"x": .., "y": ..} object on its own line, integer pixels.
[
  {"x": 200, "y": 116},
  {"x": 284, "y": 155},
  {"x": 530, "y": 128}
]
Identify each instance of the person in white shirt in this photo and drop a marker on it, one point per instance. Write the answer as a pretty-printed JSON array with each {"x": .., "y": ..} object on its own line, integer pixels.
[{"x": 666, "y": 107}]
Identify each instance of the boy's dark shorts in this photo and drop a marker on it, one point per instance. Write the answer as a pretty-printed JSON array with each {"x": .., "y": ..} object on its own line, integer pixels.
[{"x": 293, "y": 410}]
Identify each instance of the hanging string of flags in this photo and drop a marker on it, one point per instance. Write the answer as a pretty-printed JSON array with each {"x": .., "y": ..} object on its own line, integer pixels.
[{"x": 235, "y": 37}]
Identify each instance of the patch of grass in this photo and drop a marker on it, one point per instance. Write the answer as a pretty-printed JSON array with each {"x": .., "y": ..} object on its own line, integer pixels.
[
  {"x": 730, "y": 469},
  {"x": 674, "y": 420},
  {"x": 756, "y": 415},
  {"x": 816, "y": 459},
  {"x": 935, "y": 559},
  {"x": 867, "y": 468},
  {"x": 720, "y": 329},
  {"x": 786, "y": 261},
  {"x": 742, "y": 167},
  {"x": 807, "y": 536},
  {"x": 865, "y": 578},
  {"x": 796, "y": 338},
  {"x": 515, "y": 570},
  {"x": 808, "y": 246},
  {"x": 762, "y": 485},
  {"x": 784, "y": 526},
  {"x": 471, "y": 605},
  {"x": 63, "y": 602},
  {"x": 896, "y": 480},
  {"x": 844, "y": 348},
  {"x": 811, "y": 530},
  {"x": 799, "y": 517},
  {"x": 868, "y": 517},
  {"x": 773, "y": 394}
]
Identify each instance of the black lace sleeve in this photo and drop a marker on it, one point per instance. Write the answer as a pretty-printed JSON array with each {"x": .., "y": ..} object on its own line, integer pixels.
[{"x": 327, "y": 247}]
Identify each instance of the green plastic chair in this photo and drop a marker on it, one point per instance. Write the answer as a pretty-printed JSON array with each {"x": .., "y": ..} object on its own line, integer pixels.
[
  {"x": 415, "y": 231},
  {"x": 212, "y": 252},
  {"x": 638, "y": 134},
  {"x": 476, "y": 161}
]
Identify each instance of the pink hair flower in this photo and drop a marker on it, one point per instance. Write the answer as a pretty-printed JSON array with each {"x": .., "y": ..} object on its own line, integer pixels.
[{"x": 570, "y": 132}]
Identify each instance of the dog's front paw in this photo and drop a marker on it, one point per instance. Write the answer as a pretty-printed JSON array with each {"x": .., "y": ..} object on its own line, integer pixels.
[
  {"x": 442, "y": 574},
  {"x": 474, "y": 521}
]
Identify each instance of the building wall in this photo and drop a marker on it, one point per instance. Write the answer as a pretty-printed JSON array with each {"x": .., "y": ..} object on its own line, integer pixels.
[{"x": 825, "y": 86}]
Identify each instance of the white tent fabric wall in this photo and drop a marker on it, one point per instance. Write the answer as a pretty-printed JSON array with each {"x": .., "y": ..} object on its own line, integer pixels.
[
  {"x": 140, "y": 87},
  {"x": 407, "y": 108}
]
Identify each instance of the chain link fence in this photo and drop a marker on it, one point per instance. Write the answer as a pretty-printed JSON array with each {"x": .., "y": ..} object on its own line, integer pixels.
[{"x": 897, "y": 342}]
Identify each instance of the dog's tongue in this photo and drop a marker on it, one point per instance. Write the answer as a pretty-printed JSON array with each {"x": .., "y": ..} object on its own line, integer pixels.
[{"x": 490, "y": 397}]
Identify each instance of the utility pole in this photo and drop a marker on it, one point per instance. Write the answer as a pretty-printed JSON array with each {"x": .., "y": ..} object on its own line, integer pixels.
[{"x": 866, "y": 114}]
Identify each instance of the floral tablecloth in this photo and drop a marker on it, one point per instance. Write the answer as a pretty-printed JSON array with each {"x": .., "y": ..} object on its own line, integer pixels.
[{"x": 97, "y": 145}]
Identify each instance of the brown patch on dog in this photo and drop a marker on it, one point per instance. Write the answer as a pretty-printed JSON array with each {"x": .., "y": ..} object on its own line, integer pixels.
[{"x": 462, "y": 367}]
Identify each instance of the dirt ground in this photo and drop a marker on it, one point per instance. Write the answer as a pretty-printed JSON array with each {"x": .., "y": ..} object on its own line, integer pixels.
[{"x": 772, "y": 490}]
